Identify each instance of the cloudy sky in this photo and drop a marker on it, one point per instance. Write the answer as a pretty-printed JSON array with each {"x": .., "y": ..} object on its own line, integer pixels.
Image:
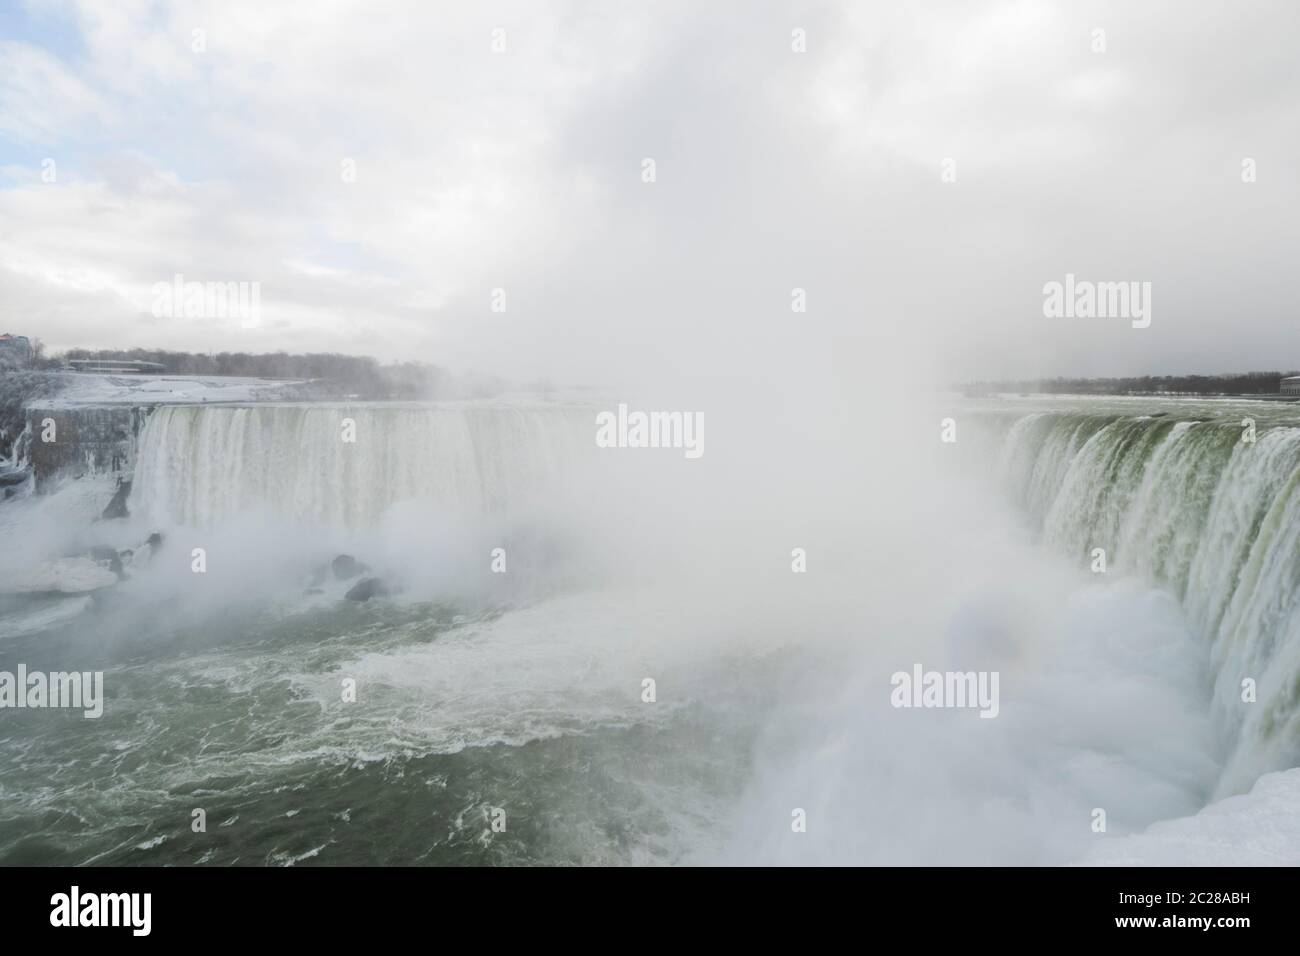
[{"x": 380, "y": 168}]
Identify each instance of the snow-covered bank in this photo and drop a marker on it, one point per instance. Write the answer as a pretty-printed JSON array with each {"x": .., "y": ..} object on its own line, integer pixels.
[
  {"x": 82, "y": 388},
  {"x": 1259, "y": 828}
]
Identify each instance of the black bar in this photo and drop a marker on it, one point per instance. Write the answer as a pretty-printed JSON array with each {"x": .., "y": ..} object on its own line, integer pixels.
[{"x": 336, "y": 905}]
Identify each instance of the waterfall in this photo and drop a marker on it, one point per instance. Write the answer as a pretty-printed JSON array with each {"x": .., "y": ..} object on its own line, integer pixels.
[
  {"x": 1194, "y": 508},
  {"x": 342, "y": 466}
]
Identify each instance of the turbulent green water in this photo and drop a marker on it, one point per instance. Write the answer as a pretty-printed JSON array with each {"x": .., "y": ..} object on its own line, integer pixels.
[
  {"x": 253, "y": 730},
  {"x": 1204, "y": 499},
  {"x": 225, "y": 689}
]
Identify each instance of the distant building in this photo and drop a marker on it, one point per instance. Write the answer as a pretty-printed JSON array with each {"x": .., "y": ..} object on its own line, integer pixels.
[
  {"x": 1291, "y": 386},
  {"x": 16, "y": 347},
  {"x": 114, "y": 366}
]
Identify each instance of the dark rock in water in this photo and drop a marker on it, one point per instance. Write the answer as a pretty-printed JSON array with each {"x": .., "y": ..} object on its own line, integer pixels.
[
  {"x": 10, "y": 477},
  {"x": 109, "y": 557},
  {"x": 365, "y": 589},
  {"x": 117, "y": 507},
  {"x": 345, "y": 566},
  {"x": 146, "y": 552}
]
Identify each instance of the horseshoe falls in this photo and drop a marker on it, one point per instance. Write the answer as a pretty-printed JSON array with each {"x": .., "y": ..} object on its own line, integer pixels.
[
  {"x": 1207, "y": 508},
  {"x": 618, "y": 650}
]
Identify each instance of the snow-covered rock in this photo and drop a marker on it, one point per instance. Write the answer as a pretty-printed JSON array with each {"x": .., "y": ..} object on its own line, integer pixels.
[{"x": 62, "y": 575}]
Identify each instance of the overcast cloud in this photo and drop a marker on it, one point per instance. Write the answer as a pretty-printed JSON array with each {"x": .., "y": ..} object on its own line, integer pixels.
[{"x": 775, "y": 169}]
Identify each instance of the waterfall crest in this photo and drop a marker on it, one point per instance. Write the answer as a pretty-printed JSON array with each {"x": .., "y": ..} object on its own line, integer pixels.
[
  {"x": 1196, "y": 509},
  {"x": 198, "y": 465}
]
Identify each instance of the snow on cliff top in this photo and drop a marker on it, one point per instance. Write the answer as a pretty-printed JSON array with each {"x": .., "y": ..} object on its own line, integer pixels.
[
  {"x": 1260, "y": 828},
  {"x": 87, "y": 388}
]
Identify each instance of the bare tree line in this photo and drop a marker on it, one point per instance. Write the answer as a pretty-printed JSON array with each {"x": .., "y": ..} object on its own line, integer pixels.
[{"x": 1243, "y": 383}]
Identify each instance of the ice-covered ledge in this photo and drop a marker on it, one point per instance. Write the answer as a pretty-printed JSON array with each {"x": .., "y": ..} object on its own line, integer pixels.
[
  {"x": 1259, "y": 828},
  {"x": 90, "y": 425}
]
